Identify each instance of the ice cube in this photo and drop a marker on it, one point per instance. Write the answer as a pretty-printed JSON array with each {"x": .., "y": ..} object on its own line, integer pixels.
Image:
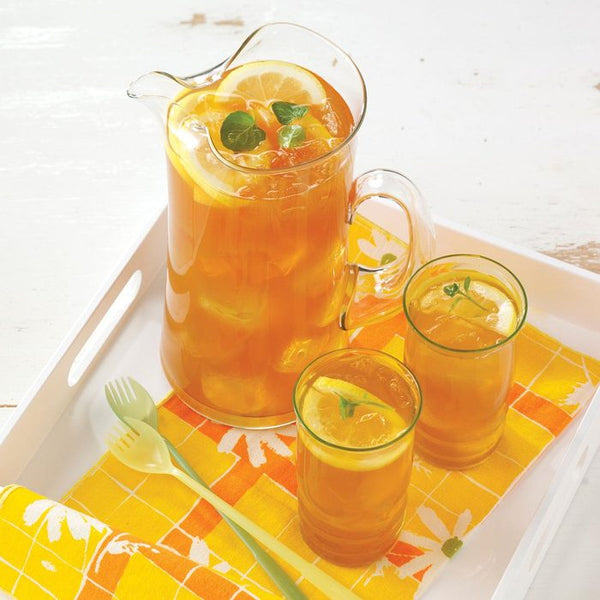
[
  {"x": 301, "y": 351},
  {"x": 247, "y": 396},
  {"x": 296, "y": 355},
  {"x": 239, "y": 311},
  {"x": 330, "y": 119},
  {"x": 433, "y": 300}
]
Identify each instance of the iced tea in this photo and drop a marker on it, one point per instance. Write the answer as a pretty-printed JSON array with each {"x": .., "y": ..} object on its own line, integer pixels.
[
  {"x": 356, "y": 411},
  {"x": 463, "y": 313},
  {"x": 257, "y": 239}
]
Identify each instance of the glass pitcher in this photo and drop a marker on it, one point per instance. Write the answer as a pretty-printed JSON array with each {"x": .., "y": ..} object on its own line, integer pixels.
[{"x": 258, "y": 277}]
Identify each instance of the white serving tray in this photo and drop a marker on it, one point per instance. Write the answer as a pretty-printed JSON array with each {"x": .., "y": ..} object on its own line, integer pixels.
[{"x": 57, "y": 432}]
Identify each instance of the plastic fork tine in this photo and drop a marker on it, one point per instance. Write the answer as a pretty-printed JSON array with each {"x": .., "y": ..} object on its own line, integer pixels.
[
  {"x": 124, "y": 443},
  {"x": 113, "y": 438},
  {"x": 127, "y": 432},
  {"x": 128, "y": 390},
  {"x": 114, "y": 396},
  {"x": 121, "y": 442},
  {"x": 120, "y": 429},
  {"x": 115, "y": 392},
  {"x": 121, "y": 446},
  {"x": 123, "y": 432},
  {"x": 108, "y": 393},
  {"x": 121, "y": 392}
]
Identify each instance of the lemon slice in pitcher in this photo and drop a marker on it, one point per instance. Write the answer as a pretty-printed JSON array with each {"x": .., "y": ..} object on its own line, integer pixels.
[
  {"x": 270, "y": 80},
  {"x": 190, "y": 121}
]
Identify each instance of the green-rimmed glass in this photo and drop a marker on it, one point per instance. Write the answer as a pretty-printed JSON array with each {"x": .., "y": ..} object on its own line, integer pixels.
[
  {"x": 356, "y": 412},
  {"x": 464, "y": 312}
]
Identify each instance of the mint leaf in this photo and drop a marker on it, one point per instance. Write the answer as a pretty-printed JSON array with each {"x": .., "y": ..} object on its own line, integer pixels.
[
  {"x": 291, "y": 136},
  {"x": 451, "y": 290},
  {"x": 286, "y": 112},
  {"x": 240, "y": 133},
  {"x": 345, "y": 407}
]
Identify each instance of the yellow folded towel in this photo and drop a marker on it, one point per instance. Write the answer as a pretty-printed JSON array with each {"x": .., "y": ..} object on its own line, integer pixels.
[{"x": 48, "y": 550}]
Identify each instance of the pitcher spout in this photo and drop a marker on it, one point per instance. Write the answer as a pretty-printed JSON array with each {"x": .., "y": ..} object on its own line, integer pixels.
[{"x": 156, "y": 90}]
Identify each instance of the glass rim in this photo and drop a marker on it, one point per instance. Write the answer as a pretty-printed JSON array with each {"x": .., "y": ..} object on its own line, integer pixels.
[
  {"x": 400, "y": 436},
  {"x": 468, "y": 350},
  {"x": 314, "y": 161}
]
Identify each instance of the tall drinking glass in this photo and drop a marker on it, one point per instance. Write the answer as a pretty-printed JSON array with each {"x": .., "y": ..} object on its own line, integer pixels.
[
  {"x": 356, "y": 412},
  {"x": 464, "y": 313}
]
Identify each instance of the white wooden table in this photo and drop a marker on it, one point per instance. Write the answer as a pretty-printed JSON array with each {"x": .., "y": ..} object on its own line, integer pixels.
[{"x": 493, "y": 109}]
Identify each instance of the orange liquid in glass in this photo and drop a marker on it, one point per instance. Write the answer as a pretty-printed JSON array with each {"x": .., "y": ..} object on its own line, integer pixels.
[
  {"x": 351, "y": 504},
  {"x": 465, "y": 389},
  {"x": 256, "y": 260}
]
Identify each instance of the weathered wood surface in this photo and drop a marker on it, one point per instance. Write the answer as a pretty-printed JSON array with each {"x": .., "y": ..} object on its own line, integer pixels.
[{"x": 493, "y": 109}]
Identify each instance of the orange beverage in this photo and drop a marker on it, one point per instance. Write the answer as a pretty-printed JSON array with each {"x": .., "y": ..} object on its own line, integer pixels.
[
  {"x": 260, "y": 152},
  {"x": 356, "y": 411},
  {"x": 257, "y": 242},
  {"x": 464, "y": 312}
]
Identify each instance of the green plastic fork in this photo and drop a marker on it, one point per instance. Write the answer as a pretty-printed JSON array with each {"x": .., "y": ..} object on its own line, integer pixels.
[
  {"x": 130, "y": 399},
  {"x": 142, "y": 448}
]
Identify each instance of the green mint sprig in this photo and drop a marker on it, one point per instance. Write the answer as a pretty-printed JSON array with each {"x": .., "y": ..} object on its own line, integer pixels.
[
  {"x": 286, "y": 112},
  {"x": 347, "y": 407},
  {"x": 240, "y": 133},
  {"x": 289, "y": 136},
  {"x": 454, "y": 290}
]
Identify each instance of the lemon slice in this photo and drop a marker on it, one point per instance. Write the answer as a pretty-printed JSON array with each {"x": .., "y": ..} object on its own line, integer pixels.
[
  {"x": 369, "y": 424},
  {"x": 503, "y": 317},
  {"x": 190, "y": 152},
  {"x": 196, "y": 116},
  {"x": 491, "y": 307},
  {"x": 271, "y": 80}
]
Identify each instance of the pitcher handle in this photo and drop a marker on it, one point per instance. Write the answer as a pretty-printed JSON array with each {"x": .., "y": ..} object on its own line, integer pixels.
[{"x": 386, "y": 282}]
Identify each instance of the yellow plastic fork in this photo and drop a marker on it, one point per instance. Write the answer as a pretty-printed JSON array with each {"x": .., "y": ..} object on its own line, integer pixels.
[{"x": 142, "y": 448}]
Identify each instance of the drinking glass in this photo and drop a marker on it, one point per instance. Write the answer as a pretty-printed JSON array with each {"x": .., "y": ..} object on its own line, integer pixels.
[
  {"x": 356, "y": 412},
  {"x": 464, "y": 313}
]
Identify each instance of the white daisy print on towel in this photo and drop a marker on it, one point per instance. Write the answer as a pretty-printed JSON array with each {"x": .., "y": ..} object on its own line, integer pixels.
[
  {"x": 436, "y": 551},
  {"x": 122, "y": 544},
  {"x": 54, "y": 515},
  {"x": 257, "y": 441},
  {"x": 383, "y": 249}
]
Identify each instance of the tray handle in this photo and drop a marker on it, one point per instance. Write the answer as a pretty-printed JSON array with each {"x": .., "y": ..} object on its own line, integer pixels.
[{"x": 59, "y": 381}]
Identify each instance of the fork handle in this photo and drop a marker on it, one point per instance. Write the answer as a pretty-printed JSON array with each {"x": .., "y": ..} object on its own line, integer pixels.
[
  {"x": 324, "y": 582},
  {"x": 280, "y": 578}
]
